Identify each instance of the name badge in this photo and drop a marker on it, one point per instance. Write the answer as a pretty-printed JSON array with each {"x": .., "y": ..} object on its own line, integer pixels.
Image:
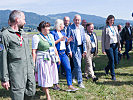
[
  {"x": 93, "y": 44},
  {"x": 51, "y": 50}
]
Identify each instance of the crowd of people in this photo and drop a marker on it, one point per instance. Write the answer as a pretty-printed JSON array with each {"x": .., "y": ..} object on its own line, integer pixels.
[{"x": 64, "y": 46}]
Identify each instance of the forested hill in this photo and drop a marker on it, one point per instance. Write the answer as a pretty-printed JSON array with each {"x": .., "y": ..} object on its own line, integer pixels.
[{"x": 33, "y": 19}]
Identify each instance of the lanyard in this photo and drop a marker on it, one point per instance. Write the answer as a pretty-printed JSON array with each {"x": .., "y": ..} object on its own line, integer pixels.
[
  {"x": 111, "y": 30},
  {"x": 48, "y": 39},
  {"x": 91, "y": 37},
  {"x": 20, "y": 38}
]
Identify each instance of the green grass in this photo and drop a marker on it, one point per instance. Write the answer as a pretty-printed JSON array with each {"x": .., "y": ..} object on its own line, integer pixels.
[
  {"x": 98, "y": 32},
  {"x": 32, "y": 32},
  {"x": 103, "y": 89}
]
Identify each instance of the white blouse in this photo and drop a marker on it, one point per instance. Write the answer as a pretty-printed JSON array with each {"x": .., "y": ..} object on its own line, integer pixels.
[
  {"x": 62, "y": 43},
  {"x": 113, "y": 35},
  {"x": 35, "y": 41}
]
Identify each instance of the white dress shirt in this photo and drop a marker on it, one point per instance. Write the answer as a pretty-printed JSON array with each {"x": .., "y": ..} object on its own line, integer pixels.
[
  {"x": 78, "y": 36},
  {"x": 62, "y": 43},
  {"x": 129, "y": 30}
]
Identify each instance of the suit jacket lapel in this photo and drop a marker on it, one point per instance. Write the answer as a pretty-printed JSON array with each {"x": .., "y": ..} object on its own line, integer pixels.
[
  {"x": 74, "y": 31},
  {"x": 80, "y": 32},
  {"x": 88, "y": 38},
  {"x": 94, "y": 37},
  {"x": 56, "y": 34}
]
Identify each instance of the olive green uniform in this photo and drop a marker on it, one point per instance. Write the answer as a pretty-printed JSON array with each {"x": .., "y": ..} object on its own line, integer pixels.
[{"x": 16, "y": 64}]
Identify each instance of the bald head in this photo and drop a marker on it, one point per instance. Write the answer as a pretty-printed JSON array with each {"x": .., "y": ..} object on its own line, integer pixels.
[
  {"x": 127, "y": 24},
  {"x": 66, "y": 21},
  {"x": 84, "y": 23},
  {"x": 77, "y": 20},
  {"x": 119, "y": 27}
]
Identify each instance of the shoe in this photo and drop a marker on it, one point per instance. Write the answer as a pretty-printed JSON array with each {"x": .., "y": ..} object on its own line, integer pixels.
[
  {"x": 86, "y": 77},
  {"x": 95, "y": 79},
  {"x": 71, "y": 89},
  {"x": 63, "y": 74},
  {"x": 74, "y": 81},
  {"x": 106, "y": 72},
  {"x": 113, "y": 78},
  {"x": 56, "y": 87},
  {"x": 81, "y": 85}
]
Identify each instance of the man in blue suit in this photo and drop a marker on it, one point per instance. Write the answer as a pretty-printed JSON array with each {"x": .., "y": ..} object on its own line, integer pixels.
[{"x": 77, "y": 47}]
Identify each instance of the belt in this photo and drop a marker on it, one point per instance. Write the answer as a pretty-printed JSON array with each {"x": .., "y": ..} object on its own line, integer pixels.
[
  {"x": 79, "y": 45},
  {"x": 61, "y": 52},
  {"x": 113, "y": 44}
]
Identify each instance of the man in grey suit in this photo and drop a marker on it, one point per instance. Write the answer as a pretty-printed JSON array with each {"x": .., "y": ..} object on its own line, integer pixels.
[{"x": 77, "y": 47}]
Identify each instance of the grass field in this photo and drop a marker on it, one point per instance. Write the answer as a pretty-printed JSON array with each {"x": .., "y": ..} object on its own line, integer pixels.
[
  {"x": 98, "y": 32},
  {"x": 103, "y": 89}
]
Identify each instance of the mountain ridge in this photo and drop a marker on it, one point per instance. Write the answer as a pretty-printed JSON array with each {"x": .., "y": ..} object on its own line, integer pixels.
[{"x": 33, "y": 19}]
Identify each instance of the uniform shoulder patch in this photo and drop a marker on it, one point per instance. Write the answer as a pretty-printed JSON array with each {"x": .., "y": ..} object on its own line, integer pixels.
[{"x": 1, "y": 47}]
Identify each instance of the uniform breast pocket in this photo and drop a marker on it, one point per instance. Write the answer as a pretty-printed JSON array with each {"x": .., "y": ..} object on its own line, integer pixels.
[
  {"x": 15, "y": 50},
  {"x": 14, "y": 44},
  {"x": 14, "y": 54}
]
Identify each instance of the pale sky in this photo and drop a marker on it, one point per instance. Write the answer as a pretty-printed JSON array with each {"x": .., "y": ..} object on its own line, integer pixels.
[{"x": 121, "y": 9}]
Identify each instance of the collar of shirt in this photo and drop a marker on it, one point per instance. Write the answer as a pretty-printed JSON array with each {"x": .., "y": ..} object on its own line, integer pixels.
[
  {"x": 65, "y": 27},
  {"x": 60, "y": 35},
  {"x": 90, "y": 34},
  {"x": 14, "y": 31},
  {"x": 77, "y": 27},
  {"x": 91, "y": 37},
  {"x": 129, "y": 30}
]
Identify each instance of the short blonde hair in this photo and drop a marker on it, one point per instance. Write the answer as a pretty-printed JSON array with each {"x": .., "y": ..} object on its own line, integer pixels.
[{"x": 58, "y": 24}]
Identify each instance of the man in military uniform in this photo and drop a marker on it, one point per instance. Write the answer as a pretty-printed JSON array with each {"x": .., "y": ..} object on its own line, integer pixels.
[{"x": 16, "y": 60}]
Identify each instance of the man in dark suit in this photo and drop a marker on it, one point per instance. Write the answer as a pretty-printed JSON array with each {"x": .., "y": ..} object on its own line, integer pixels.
[
  {"x": 83, "y": 23},
  {"x": 66, "y": 23},
  {"x": 127, "y": 39}
]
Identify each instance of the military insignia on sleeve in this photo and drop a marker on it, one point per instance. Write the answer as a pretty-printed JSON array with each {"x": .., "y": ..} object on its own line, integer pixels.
[{"x": 1, "y": 47}]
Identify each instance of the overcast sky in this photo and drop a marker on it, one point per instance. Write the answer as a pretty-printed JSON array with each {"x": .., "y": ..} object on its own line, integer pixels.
[{"x": 121, "y": 9}]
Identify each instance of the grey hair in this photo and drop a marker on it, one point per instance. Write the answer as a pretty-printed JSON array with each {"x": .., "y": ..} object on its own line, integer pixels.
[
  {"x": 14, "y": 14},
  {"x": 58, "y": 24},
  {"x": 77, "y": 15}
]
